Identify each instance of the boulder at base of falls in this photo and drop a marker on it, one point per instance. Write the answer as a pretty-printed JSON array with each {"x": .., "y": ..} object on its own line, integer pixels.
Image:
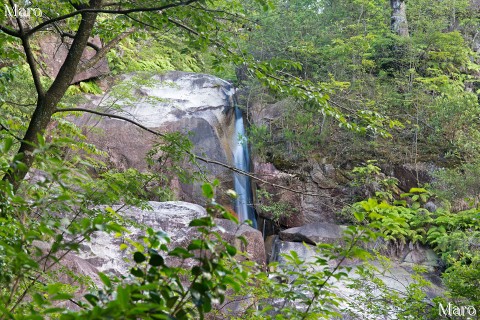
[
  {"x": 313, "y": 233},
  {"x": 198, "y": 105},
  {"x": 173, "y": 217},
  {"x": 397, "y": 274}
]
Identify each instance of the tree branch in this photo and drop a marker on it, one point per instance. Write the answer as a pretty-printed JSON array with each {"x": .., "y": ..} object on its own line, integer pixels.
[
  {"x": 103, "y": 51},
  {"x": 32, "y": 64},
  {"x": 47, "y": 102},
  {"x": 206, "y": 160},
  {"x": 10, "y": 32},
  {"x": 72, "y": 36},
  {"x": 97, "y": 10},
  {"x": 3, "y": 127},
  {"x": 29, "y": 55}
]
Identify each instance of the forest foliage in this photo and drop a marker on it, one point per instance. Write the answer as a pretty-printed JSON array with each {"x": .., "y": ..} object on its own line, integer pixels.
[{"x": 349, "y": 89}]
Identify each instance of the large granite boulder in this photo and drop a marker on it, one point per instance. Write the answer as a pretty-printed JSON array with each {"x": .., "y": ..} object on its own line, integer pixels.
[
  {"x": 173, "y": 217},
  {"x": 314, "y": 233},
  {"x": 195, "y": 104},
  {"x": 405, "y": 254},
  {"x": 396, "y": 275},
  {"x": 81, "y": 274}
]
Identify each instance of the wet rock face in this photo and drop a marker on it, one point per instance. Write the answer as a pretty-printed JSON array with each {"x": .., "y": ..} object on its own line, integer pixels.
[
  {"x": 173, "y": 217},
  {"x": 195, "y": 104},
  {"x": 325, "y": 190},
  {"x": 319, "y": 200},
  {"x": 410, "y": 175}
]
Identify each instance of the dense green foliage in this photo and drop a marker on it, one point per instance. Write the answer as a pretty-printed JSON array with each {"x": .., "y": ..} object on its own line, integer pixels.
[
  {"x": 428, "y": 81},
  {"x": 334, "y": 81},
  {"x": 455, "y": 236},
  {"x": 61, "y": 210}
]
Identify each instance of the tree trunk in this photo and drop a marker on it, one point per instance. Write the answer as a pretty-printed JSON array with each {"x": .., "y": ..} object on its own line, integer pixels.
[
  {"x": 47, "y": 102},
  {"x": 399, "y": 23}
]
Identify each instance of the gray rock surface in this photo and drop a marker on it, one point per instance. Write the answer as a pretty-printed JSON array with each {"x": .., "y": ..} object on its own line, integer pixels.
[
  {"x": 313, "y": 233},
  {"x": 407, "y": 255},
  {"x": 321, "y": 197},
  {"x": 173, "y": 217},
  {"x": 396, "y": 275},
  {"x": 82, "y": 274},
  {"x": 255, "y": 247},
  {"x": 196, "y": 104}
]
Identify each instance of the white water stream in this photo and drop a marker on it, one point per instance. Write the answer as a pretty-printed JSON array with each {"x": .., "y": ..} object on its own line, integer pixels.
[{"x": 241, "y": 160}]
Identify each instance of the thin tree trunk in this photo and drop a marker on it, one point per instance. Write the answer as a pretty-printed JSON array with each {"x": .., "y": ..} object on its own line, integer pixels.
[
  {"x": 399, "y": 23},
  {"x": 47, "y": 102}
]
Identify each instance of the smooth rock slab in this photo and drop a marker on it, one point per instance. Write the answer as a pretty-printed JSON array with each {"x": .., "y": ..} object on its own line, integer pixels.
[
  {"x": 397, "y": 276},
  {"x": 173, "y": 217},
  {"x": 313, "y": 233},
  {"x": 198, "y": 105}
]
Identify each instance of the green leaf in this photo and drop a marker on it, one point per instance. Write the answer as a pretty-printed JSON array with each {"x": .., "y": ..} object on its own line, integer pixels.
[
  {"x": 92, "y": 299},
  {"x": 201, "y": 222},
  {"x": 180, "y": 252},
  {"x": 39, "y": 300},
  {"x": 400, "y": 203},
  {"x": 231, "y": 250},
  {"x": 137, "y": 272},
  {"x": 359, "y": 215},
  {"x": 122, "y": 296},
  {"x": 7, "y": 144},
  {"x": 195, "y": 245},
  {"x": 207, "y": 191},
  {"x": 156, "y": 260},
  {"x": 418, "y": 190},
  {"x": 106, "y": 280},
  {"x": 61, "y": 296},
  {"x": 139, "y": 257}
]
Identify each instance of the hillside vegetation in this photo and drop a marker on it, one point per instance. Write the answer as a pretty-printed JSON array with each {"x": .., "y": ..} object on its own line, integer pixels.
[{"x": 360, "y": 84}]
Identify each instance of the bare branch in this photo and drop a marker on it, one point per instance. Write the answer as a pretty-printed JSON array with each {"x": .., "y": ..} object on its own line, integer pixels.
[
  {"x": 3, "y": 127},
  {"x": 183, "y": 26},
  {"x": 20, "y": 104},
  {"x": 10, "y": 32},
  {"x": 72, "y": 36},
  {"x": 206, "y": 160},
  {"x": 235, "y": 16},
  {"x": 103, "y": 51},
  {"x": 113, "y": 116},
  {"x": 29, "y": 55}
]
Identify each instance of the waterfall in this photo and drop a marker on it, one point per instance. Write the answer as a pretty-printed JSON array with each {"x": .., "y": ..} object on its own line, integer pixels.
[{"x": 241, "y": 160}]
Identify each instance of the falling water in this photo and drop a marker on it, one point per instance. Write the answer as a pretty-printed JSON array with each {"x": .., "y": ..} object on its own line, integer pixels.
[{"x": 241, "y": 161}]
